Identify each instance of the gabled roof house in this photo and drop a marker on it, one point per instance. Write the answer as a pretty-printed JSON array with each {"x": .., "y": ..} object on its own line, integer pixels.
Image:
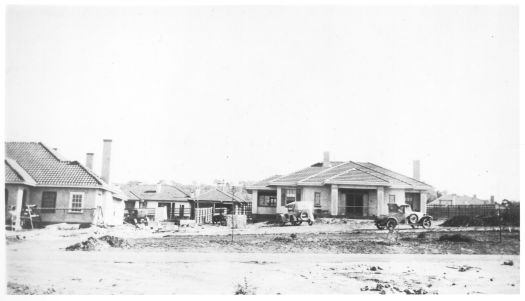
[
  {"x": 340, "y": 188},
  {"x": 454, "y": 199},
  {"x": 218, "y": 198},
  {"x": 175, "y": 199},
  {"x": 63, "y": 190}
]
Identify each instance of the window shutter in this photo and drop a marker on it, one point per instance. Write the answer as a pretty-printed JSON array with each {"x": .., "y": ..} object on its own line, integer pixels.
[
  {"x": 283, "y": 197},
  {"x": 298, "y": 195}
]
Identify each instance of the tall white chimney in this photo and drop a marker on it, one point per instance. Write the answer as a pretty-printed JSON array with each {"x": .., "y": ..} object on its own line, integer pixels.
[
  {"x": 417, "y": 172},
  {"x": 326, "y": 159},
  {"x": 106, "y": 160},
  {"x": 89, "y": 160},
  {"x": 158, "y": 189}
]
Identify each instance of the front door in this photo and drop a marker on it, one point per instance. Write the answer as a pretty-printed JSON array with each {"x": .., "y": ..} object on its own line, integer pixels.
[
  {"x": 414, "y": 200},
  {"x": 181, "y": 212},
  {"x": 354, "y": 204}
]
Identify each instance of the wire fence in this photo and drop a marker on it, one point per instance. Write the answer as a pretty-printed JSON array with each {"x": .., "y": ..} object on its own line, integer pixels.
[{"x": 448, "y": 211}]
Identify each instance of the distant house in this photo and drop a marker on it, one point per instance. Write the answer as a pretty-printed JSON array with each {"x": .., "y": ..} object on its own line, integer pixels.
[
  {"x": 64, "y": 191},
  {"x": 454, "y": 199},
  {"x": 177, "y": 201},
  {"x": 353, "y": 189},
  {"x": 218, "y": 198}
]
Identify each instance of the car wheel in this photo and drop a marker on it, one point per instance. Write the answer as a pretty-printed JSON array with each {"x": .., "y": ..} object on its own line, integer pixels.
[
  {"x": 427, "y": 223},
  {"x": 380, "y": 227},
  {"x": 391, "y": 224},
  {"x": 412, "y": 218}
]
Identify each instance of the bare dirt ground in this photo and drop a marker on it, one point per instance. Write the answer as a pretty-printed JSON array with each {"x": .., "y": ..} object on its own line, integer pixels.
[{"x": 322, "y": 259}]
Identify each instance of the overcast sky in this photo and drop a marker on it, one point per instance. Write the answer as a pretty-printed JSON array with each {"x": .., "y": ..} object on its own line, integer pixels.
[{"x": 243, "y": 93}]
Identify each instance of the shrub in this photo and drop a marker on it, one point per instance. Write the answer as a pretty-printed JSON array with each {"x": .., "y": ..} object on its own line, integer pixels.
[{"x": 244, "y": 289}]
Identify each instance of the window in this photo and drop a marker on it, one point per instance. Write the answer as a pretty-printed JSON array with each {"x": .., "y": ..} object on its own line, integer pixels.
[
  {"x": 290, "y": 195},
  {"x": 267, "y": 199},
  {"x": 76, "y": 202},
  {"x": 49, "y": 201},
  {"x": 392, "y": 199},
  {"x": 317, "y": 199}
]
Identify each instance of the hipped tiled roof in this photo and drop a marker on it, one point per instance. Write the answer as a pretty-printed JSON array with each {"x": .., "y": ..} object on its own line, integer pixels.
[
  {"x": 11, "y": 176},
  {"x": 34, "y": 163},
  {"x": 150, "y": 193},
  {"x": 217, "y": 195},
  {"x": 351, "y": 173}
]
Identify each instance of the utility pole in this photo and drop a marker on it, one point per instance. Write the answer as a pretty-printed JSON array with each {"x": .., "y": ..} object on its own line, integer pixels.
[{"x": 233, "y": 208}]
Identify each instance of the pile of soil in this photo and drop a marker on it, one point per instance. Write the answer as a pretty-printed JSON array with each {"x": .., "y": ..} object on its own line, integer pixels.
[
  {"x": 115, "y": 242},
  {"x": 21, "y": 289},
  {"x": 94, "y": 244}
]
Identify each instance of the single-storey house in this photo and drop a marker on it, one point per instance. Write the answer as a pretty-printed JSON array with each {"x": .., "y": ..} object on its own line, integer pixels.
[
  {"x": 218, "y": 198},
  {"x": 353, "y": 189},
  {"x": 178, "y": 202},
  {"x": 63, "y": 191},
  {"x": 454, "y": 199}
]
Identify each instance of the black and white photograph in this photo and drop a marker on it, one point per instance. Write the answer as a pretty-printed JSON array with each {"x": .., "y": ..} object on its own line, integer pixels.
[{"x": 261, "y": 149}]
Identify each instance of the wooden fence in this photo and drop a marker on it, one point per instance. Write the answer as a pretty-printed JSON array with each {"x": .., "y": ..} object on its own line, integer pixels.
[
  {"x": 447, "y": 211},
  {"x": 203, "y": 215}
]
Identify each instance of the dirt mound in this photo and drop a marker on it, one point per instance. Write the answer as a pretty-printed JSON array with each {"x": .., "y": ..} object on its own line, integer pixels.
[
  {"x": 22, "y": 289},
  {"x": 455, "y": 238},
  {"x": 94, "y": 244},
  {"x": 283, "y": 239},
  {"x": 113, "y": 241}
]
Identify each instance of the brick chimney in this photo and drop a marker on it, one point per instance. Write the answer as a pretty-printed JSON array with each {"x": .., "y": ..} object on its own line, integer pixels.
[
  {"x": 417, "y": 172},
  {"x": 89, "y": 160},
  {"x": 326, "y": 159},
  {"x": 106, "y": 160}
]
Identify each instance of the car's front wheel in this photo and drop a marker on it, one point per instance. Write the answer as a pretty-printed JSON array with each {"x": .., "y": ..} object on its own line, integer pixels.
[
  {"x": 391, "y": 224},
  {"x": 427, "y": 223},
  {"x": 412, "y": 219}
]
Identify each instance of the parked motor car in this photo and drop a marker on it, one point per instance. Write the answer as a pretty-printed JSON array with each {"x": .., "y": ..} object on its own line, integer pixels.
[
  {"x": 402, "y": 214},
  {"x": 298, "y": 212}
]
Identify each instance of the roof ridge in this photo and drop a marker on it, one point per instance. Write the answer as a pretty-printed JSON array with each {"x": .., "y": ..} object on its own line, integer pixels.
[
  {"x": 54, "y": 154},
  {"x": 370, "y": 173},
  {"x": 229, "y": 194},
  {"x": 382, "y": 172},
  {"x": 20, "y": 171},
  {"x": 355, "y": 168},
  {"x": 322, "y": 171},
  {"x": 399, "y": 174},
  {"x": 339, "y": 174},
  {"x": 284, "y": 176},
  {"x": 91, "y": 173},
  {"x": 179, "y": 189}
]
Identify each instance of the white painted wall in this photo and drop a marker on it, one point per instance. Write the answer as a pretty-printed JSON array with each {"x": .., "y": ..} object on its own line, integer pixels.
[
  {"x": 399, "y": 193},
  {"x": 308, "y": 195}
]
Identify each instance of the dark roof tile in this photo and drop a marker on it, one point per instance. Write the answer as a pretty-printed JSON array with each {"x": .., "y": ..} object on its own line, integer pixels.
[{"x": 46, "y": 168}]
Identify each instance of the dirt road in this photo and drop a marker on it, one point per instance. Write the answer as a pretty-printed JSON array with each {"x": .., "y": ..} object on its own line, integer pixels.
[
  {"x": 308, "y": 263},
  {"x": 115, "y": 271}
]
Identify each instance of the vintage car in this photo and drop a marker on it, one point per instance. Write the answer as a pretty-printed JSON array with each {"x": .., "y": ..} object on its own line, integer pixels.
[
  {"x": 402, "y": 214},
  {"x": 298, "y": 212}
]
